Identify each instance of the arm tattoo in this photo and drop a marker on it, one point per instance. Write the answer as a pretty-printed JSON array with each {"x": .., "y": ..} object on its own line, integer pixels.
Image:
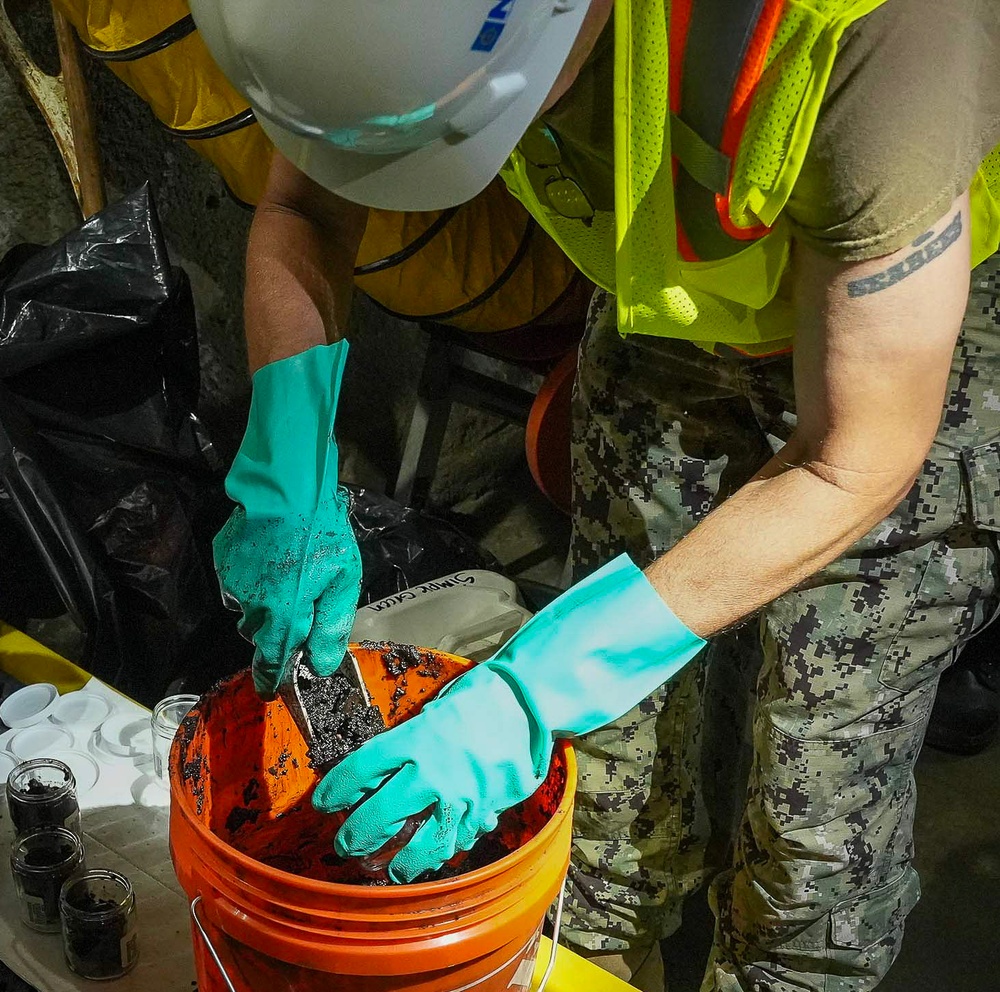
[{"x": 928, "y": 251}]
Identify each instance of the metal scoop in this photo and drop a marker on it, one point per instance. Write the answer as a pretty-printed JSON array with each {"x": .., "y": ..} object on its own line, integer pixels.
[{"x": 334, "y": 713}]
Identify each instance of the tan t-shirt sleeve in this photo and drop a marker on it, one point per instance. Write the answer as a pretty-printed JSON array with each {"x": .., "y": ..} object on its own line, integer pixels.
[{"x": 912, "y": 108}]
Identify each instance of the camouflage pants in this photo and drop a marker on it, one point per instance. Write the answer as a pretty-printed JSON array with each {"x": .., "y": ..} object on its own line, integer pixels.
[{"x": 781, "y": 764}]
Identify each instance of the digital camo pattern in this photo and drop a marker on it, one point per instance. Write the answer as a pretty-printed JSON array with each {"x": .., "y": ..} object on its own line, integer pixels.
[{"x": 782, "y": 764}]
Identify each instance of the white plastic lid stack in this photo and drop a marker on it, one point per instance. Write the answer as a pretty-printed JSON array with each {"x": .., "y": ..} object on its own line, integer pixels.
[{"x": 29, "y": 705}]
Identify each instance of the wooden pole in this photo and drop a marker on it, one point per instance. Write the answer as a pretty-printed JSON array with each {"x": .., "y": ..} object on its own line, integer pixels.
[{"x": 91, "y": 193}]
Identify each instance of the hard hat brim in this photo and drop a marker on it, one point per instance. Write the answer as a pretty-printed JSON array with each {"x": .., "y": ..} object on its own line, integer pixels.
[{"x": 445, "y": 172}]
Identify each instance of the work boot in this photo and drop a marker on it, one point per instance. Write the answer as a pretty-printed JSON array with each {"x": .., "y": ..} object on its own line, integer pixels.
[
  {"x": 641, "y": 967},
  {"x": 966, "y": 714}
]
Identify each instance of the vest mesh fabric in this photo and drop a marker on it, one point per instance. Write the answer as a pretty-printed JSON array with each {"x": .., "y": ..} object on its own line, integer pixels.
[
  {"x": 645, "y": 203},
  {"x": 591, "y": 247},
  {"x": 786, "y": 104},
  {"x": 985, "y": 208}
]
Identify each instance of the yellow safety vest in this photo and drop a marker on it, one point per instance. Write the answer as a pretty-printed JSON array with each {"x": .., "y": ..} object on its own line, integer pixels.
[{"x": 731, "y": 295}]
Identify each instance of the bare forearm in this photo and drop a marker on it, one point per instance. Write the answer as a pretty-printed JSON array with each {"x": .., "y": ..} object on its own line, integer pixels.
[
  {"x": 874, "y": 343},
  {"x": 780, "y": 528},
  {"x": 300, "y": 264}
]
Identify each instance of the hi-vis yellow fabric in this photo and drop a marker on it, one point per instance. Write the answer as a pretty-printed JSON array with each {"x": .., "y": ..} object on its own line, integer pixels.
[
  {"x": 738, "y": 300},
  {"x": 485, "y": 267}
]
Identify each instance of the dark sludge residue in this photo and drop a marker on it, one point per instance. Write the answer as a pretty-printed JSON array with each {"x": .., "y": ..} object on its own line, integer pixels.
[
  {"x": 431, "y": 668},
  {"x": 400, "y": 658},
  {"x": 33, "y": 787},
  {"x": 341, "y": 720},
  {"x": 192, "y": 762},
  {"x": 398, "y": 695},
  {"x": 239, "y": 816},
  {"x": 48, "y": 857},
  {"x": 87, "y": 902},
  {"x": 280, "y": 767},
  {"x": 485, "y": 851}
]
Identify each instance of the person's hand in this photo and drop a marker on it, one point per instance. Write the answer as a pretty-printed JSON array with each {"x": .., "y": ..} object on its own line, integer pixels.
[
  {"x": 485, "y": 743},
  {"x": 287, "y": 557},
  {"x": 466, "y": 757}
]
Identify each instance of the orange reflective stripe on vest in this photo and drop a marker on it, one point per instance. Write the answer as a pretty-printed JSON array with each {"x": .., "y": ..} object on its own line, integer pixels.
[{"x": 709, "y": 113}]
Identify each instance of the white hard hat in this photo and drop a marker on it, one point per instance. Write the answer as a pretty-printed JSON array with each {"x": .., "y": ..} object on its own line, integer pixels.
[{"x": 399, "y": 104}]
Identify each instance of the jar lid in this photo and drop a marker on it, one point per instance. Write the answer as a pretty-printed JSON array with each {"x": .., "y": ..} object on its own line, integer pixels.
[
  {"x": 81, "y": 710},
  {"x": 6, "y": 737},
  {"x": 126, "y": 735},
  {"x": 29, "y": 705},
  {"x": 85, "y": 770},
  {"x": 39, "y": 741}
]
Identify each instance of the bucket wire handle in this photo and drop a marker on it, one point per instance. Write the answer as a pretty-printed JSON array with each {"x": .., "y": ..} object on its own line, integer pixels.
[
  {"x": 556, "y": 928},
  {"x": 211, "y": 948}
]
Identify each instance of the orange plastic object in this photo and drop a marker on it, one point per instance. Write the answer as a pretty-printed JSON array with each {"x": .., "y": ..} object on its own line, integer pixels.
[
  {"x": 240, "y": 786},
  {"x": 547, "y": 436}
]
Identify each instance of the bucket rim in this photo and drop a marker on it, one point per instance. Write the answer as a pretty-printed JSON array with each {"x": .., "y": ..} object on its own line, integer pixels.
[
  {"x": 390, "y": 892},
  {"x": 387, "y": 893}
]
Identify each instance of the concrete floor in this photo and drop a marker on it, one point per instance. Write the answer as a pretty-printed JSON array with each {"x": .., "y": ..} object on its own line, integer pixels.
[{"x": 952, "y": 941}]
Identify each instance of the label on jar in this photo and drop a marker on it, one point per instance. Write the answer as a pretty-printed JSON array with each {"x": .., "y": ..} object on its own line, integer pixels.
[
  {"x": 35, "y": 908},
  {"x": 129, "y": 948}
]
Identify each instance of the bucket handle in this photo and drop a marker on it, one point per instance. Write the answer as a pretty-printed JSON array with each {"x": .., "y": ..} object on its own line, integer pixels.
[
  {"x": 208, "y": 943},
  {"x": 556, "y": 927}
]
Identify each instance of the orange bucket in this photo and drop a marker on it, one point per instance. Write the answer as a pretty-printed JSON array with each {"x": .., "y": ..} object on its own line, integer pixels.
[{"x": 273, "y": 906}]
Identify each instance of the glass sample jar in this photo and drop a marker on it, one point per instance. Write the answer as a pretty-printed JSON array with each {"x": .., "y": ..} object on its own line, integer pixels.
[
  {"x": 40, "y": 862},
  {"x": 42, "y": 793},
  {"x": 166, "y": 718},
  {"x": 98, "y": 924}
]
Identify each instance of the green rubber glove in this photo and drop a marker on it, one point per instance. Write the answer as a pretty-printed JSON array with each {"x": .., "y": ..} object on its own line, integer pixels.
[
  {"x": 484, "y": 744},
  {"x": 287, "y": 556}
]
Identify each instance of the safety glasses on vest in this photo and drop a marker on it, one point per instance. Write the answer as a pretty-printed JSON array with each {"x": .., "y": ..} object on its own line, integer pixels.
[
  {"x": 541, "y": 151},
  {"x": 395, "y": 104}
]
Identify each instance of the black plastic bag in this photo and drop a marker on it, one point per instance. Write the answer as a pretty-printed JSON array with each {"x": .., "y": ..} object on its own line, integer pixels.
[
  {"x": 402, "y": 547},
  {"x": 110, "y": 493}
]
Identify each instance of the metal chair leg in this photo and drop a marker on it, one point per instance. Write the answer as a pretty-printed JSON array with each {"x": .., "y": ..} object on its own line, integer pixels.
[{"x": 427, "y": 427}]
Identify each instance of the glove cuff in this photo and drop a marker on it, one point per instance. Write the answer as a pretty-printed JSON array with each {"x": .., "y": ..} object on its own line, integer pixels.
[
  {"x": 597, "y": 651},
  {"x": 287, "y": 462}
]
